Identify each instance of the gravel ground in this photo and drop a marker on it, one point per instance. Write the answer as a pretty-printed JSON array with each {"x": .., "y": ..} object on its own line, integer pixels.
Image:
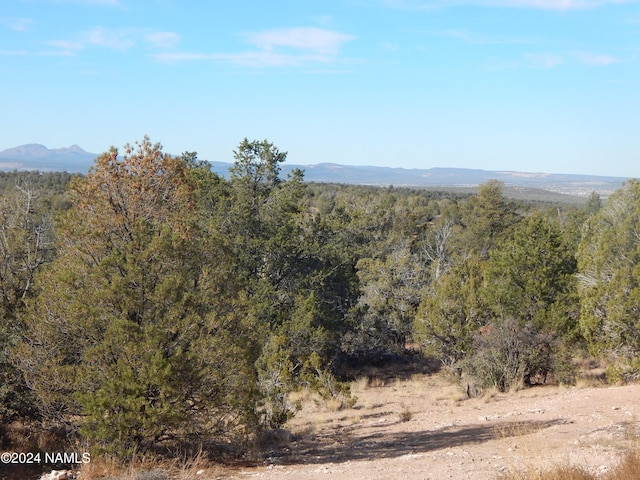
[{"x": 420, "y": 429}]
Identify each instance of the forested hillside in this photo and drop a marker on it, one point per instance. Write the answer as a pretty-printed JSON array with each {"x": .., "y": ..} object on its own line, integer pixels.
[{"x": 153, "y": 304}]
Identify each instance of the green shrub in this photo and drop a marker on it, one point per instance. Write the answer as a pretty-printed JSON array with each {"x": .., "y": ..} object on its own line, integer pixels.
[{"x": 508, "y": 355}]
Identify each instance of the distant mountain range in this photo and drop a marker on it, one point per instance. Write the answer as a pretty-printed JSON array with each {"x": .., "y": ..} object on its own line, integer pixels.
[
  {"x": 75, "y": 159},
  {"x": 38, "y": 157}
]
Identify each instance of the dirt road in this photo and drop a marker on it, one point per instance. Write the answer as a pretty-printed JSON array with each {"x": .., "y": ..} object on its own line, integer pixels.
[{"x": 418, "y": 429}]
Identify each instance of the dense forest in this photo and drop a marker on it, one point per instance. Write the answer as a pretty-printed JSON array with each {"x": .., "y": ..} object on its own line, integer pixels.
[{"x": 152, "y": 303}]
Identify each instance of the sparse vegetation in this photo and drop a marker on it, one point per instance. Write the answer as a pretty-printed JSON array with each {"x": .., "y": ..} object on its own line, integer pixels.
[
  {"x": 627, "y": 469},
  {"x": 152, "y": 306},
  {"x": 405, "y": 414}
]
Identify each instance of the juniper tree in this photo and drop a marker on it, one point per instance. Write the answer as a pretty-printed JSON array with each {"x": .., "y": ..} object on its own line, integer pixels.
[
  {"x": 26, "y": 244},
  {"x": 136, "y": 335},
  {"x": 609, "y": 278}
]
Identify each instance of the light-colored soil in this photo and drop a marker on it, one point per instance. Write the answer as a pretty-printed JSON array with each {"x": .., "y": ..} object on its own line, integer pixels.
[{"x": 426, "y": 428}]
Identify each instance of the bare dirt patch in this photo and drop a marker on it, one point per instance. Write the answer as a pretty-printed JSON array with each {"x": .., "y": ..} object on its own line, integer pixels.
[{"x": 426, "y": 428}]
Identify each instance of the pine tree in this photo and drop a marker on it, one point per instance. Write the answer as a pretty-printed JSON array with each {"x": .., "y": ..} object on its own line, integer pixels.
[
  {"x": 26, "y": 245},
  {"x": 136, "y": 333},
  {"x": 609, "y": 278},
  {"x": 531, "y": 276}
]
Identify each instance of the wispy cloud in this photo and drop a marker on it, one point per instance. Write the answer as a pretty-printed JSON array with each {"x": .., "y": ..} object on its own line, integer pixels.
[
  {"x": 257, "y": 59},
  {"x": 296, "y": 46},
  {"x": 65, "y": 47},
  {"x": 596, "y": 59},
  {"x": 556, "y": 4},
  {"x": 552, "y": 4},
  {"x": 97, "y": 36},
  {"x": 109, "y": 38},
  {"x": 113, "y": 3},
  {"x": 17, "y": 24},
  {"x": 319, "y": 40},
  {"x": 164, "y": 40},
  {"x": 547, "y": 60},
  {"x": 552, "y": 60},
  {"x": 114, "y": 39},
  {"x": 543, "y": 60},
  {"x": 388, "y": 47},
  {"x": 12, "y": 52},
  {"x": 475, "y": 38},
  {"x": 531, "y": 4}
]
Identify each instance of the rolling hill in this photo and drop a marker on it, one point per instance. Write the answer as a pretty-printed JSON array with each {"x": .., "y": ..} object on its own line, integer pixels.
[{"x": 75, "y": 159}]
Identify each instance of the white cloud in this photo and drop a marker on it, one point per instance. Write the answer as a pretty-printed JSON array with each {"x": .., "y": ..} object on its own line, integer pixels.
[
  {"x": 165, "y": 40},
  {"x": 113, "y": 3},
  {"x": 531, "y": 4},
  {"x": 299, "y": 46},
  {"x": 544, "y": 60},
  {"x": 474, "y": 38},
  {"x": 388, "y": 47},
  {"x": 313, "y": 39},
  {"x": 12, "y": 52},
  {"x": 66, "y": 47},
  {"x": 104, "y": 37},
  {"x": 257, "y": 59},
  {"x": 595, "y": 59},
  {"x": 16, "y": 24},
  {"x": 115, "y": 39},
  {"x": 97, "y": 36},
  {"x": 548, "y": 60},
  {"x": 552, "y": 4}
]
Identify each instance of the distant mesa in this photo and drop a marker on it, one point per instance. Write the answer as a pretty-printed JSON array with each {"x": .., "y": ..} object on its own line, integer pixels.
[
  {"x": 35, "y": 156},
  {"x": 74, "y": 159}
]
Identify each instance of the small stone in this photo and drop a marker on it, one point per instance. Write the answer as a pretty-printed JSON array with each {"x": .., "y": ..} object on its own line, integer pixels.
[{"x": 56, "y": 475}]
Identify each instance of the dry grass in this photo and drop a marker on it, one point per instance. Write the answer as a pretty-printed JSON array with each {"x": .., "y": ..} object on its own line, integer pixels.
[
  {"x": 591, "y": 380},
  {"x": 194, "y": 468},
  {"x": 627, "y": 469},
  {"x": 360, "y": 385},
  {"x": 489, "y": 394},
  {"x": 376, "y": 382},
  {"x": 26, "y": 437},
  {"x": 451, "y": 392},
  {"x": 591, "y": 373},
  {"x": 560, "y": 473},
  {"x": 517, "y": 386},
  {"x": 405, "y": 414},
  {"x": 513, "y": 429},
  {"x": 405, "y": 399},
  {"x": 335, "y": 404},
  {"x": 299, "y": 396}
]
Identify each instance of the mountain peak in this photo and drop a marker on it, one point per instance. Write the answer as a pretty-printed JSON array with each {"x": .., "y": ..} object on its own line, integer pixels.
[
  {"x": 35, "y": 156},
  {"x": 28, "y": 151},
  {"x": 76, "y": 148}
]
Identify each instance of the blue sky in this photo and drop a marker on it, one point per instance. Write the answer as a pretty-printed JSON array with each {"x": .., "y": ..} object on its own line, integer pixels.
[{"x": 528, "y": 85}]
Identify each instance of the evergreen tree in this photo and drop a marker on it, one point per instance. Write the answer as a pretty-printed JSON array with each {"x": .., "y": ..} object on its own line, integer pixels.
[
  {"x": 451, "y": 313},
  {"x": 26, "y": 244},
  {"x": 136, "y": 333},
  {"x": 609, "y": 278},
  {"x": 487, "y": 216},
  {"x": 531, "y": 277},
  {"x": 391, "y": 292},
  {"x": 288, "y": 280}
]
